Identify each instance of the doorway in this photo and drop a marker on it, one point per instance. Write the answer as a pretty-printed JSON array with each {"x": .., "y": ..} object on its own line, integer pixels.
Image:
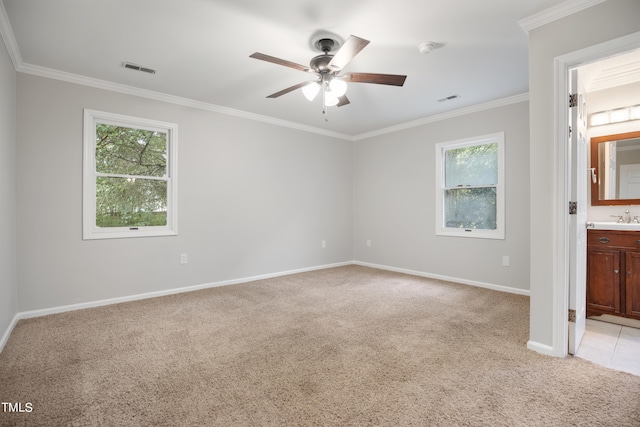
[{"x": 585, "y": 61}]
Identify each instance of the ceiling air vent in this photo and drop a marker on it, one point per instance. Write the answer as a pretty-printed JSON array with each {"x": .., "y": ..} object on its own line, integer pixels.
[
  {"x": 137, "y": 67},
  {"x": 449, "y": 98}
]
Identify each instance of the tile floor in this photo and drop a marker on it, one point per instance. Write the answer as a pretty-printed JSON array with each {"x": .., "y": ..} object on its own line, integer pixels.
[{"x": 614, "y": 346}]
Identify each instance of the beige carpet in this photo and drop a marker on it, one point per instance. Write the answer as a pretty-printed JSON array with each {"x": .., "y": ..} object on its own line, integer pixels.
[{"x": 346, "y": 346}]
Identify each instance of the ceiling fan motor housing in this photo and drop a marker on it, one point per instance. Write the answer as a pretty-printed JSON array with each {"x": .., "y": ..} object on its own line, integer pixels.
[{"x": 320, "y": 64}]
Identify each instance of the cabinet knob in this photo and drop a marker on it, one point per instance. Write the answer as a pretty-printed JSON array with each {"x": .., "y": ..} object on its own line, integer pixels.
[
  {"x": 616, "y": 271},
  {"x": 628, "y": 273},
  {"x": 604, "y": 240}
]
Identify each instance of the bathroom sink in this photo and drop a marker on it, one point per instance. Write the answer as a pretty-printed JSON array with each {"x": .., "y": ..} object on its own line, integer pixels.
[{"x": 605, "y": 225}]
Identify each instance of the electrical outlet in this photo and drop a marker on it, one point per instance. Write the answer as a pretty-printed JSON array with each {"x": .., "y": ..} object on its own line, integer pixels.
[
  {"x": 323, "y": 244},
  {"x": 505, "y": 261},
  {"x": 184, "y": 259},
  {"x": 368, "y": 243}
]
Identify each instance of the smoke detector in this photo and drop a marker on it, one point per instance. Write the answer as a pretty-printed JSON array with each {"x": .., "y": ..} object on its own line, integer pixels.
[{"x": 428, "y": 47}]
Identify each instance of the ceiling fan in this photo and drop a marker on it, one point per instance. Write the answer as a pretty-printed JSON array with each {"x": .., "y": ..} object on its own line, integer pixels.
[{"x": 327, "y": 67}]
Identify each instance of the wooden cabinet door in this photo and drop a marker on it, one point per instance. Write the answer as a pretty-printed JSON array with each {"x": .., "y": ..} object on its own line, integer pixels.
[
  {"x": 603, "y": 281},
  {"x": 632, "y": 286}
]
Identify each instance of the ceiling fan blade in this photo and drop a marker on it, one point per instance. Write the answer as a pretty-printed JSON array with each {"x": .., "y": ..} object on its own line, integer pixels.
[
  {"x": 343, "y": 100},
  {"x": 289, "y": 89},
  {"x": 347, "y": 51},
  {"x": 381, "y": 79},
  {"x": 278, "y": 61}
]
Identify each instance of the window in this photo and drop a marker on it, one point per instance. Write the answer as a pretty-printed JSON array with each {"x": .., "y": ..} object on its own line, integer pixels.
[
  {"x": 129, "y": 182},
  {"x": 470, "y": 187}
]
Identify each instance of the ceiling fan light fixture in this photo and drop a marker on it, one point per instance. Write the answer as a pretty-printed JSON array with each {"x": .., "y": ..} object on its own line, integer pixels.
[
  {"x": 338, "y": 87},
  {"x": 330, "y": 99},
  {"x": 311, "y": 90}
]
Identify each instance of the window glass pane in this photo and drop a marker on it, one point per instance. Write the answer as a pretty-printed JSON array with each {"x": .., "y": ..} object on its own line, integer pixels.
[
  {"x": 127, "y": 151},
  {"x": 471, "y": 208},
  {"x": 122, "y": 202},
  {"x": 476, "y": 166}
]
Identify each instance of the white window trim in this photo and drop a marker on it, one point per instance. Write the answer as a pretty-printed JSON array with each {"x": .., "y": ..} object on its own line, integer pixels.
[
  {"x": 89, "y": 229},
  {"x": 441, "y": 230}
]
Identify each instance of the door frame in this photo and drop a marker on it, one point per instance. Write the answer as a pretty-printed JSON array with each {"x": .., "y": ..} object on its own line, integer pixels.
[{"x": 562, "y": 66}]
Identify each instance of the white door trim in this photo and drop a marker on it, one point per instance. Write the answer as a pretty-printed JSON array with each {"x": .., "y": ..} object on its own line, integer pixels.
[{"x": 562, "y": 64}]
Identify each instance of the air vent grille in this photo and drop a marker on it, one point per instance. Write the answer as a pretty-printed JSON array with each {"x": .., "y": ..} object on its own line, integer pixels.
[
  {"x": 449, "y": 98},
  {"x": 137, "y": 67}
]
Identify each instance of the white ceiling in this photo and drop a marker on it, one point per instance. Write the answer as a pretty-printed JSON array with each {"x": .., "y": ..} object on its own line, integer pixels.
[{"x": 200, "y": 50}]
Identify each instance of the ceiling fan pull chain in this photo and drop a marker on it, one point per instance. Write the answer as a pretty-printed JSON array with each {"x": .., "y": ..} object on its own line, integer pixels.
[{"x": 325, "y": 109}]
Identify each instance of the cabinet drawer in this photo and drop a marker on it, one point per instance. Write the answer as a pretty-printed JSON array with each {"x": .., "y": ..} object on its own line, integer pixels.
[{"x": 619, "y": 239}]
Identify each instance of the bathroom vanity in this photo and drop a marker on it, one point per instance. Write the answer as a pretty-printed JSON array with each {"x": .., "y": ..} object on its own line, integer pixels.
[
  {"x": 613, "y": 248},
  {"x": 613, "y": 271}
]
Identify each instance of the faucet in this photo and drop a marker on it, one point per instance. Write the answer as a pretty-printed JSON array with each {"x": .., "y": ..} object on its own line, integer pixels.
[{"x": 626, "y": 218}]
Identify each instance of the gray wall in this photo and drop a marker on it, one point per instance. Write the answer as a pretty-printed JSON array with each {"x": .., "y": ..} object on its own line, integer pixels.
[
  {"x": 8, "y": 249},
  {"x": 603, "y": 22},
  {"x": 254, "y": 199},
  {"x": 394, "y": 200}
]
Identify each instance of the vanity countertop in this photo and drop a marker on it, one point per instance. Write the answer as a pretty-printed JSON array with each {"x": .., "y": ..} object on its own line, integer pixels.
[{"x": 607, "y": 225}]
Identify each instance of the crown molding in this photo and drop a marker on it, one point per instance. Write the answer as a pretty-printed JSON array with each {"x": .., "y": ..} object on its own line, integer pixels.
[
  {"x": 186, "y": 102},
  {"x": 159, "y": 96},
  {"x": 448, "y": 115},
  {"x": 6, "y": 33},
  {"x": 554, "y": 13}
]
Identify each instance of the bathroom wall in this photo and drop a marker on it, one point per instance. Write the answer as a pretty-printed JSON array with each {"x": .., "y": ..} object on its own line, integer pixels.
[{"x": 608, "y": 99}]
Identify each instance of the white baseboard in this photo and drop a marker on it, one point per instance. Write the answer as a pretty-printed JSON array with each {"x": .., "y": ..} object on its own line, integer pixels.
[
  {"x": 448, "y": 278},
  {"x": 541, "y": 348},
  {"x": 5, "y": 336},
  {"x": 99, "y": 303},
  {"x": 118, "y": 300}
]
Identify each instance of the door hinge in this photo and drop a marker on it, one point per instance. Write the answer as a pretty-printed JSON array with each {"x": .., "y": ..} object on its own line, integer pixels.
[
  {"x": 572, "y": 316},
  {"x": 573, "y": 208},
  {"x": 573, "y": 100}
]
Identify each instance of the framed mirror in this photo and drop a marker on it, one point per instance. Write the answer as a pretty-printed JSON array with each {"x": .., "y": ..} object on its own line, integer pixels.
[{"x": 615, "y": 169}]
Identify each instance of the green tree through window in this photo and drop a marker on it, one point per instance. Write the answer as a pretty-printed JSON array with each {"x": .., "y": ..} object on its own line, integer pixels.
[
  {"x": 471, "y": 176},
  {"x": 129, "y": 162},
  {"x": 470, "y": 187},
  {"x": 129, "y": 176}
]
